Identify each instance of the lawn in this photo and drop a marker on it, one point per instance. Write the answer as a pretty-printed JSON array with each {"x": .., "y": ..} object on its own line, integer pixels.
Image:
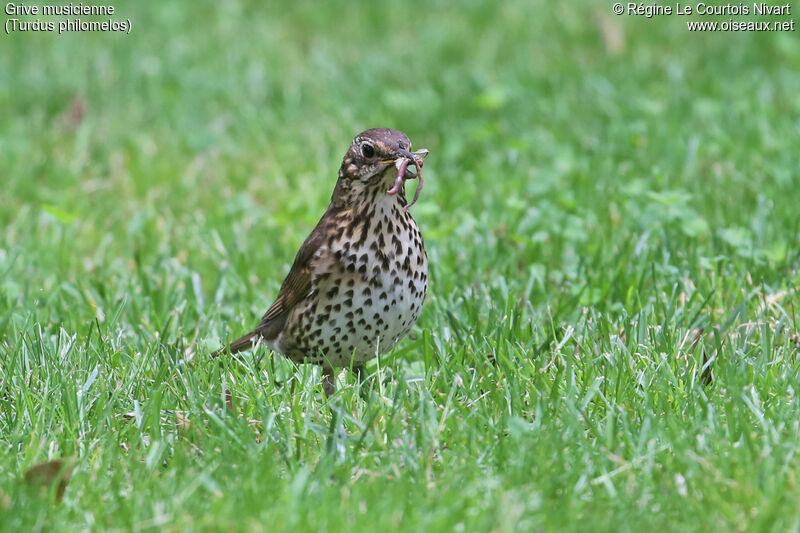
[{"x": 610, "y": 339}]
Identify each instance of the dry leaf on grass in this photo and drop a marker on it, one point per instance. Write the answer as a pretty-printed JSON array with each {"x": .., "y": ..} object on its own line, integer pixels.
[{"x": 45, "y": 475}]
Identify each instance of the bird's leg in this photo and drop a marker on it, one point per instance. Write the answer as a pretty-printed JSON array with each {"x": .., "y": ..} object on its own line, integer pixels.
[{"x": 328, "y": 381}]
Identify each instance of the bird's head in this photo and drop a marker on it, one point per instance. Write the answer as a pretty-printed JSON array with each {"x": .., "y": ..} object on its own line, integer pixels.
[{"x": 371, "y": 166}]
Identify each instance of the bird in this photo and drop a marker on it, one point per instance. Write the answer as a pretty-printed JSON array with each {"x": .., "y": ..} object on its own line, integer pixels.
[{"x": 358, "y": 282}]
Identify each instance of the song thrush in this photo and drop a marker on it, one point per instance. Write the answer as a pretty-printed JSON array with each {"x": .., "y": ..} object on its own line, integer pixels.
[{"x": 358, "y": 282}]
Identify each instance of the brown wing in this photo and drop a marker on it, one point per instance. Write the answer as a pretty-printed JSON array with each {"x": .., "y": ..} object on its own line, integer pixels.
[{"x": 296, "y": 286}]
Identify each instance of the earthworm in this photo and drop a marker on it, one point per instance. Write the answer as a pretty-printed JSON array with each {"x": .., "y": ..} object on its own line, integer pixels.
[{"x": 401, "y": 173}]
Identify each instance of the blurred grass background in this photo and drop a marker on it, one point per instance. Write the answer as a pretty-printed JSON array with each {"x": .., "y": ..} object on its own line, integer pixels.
[{"x": 610, "y": 211}]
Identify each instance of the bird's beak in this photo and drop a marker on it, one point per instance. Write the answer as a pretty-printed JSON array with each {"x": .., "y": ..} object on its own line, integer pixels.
[{"x": 418, "y": 156}]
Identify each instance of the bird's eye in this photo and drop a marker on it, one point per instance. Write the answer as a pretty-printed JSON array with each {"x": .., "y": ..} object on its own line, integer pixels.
[{"x": 367, "y": 150}]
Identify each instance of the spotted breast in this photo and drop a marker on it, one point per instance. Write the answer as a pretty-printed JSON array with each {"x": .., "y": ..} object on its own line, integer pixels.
[{"x": 370, "y": 281}]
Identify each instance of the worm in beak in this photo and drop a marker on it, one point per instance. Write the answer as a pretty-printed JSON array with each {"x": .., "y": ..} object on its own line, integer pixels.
[{"x": 407, "y": 158}]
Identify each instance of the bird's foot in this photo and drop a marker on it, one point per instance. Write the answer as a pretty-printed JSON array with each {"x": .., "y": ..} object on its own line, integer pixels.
[{"x": 328, "y": 381}]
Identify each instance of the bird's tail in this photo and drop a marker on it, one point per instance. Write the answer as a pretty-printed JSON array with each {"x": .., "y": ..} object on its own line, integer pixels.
[{"x": 238, "y": 345}]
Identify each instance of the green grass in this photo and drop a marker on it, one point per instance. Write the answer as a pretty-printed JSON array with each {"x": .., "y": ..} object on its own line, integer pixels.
[{"x": 611, "y": 215}]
